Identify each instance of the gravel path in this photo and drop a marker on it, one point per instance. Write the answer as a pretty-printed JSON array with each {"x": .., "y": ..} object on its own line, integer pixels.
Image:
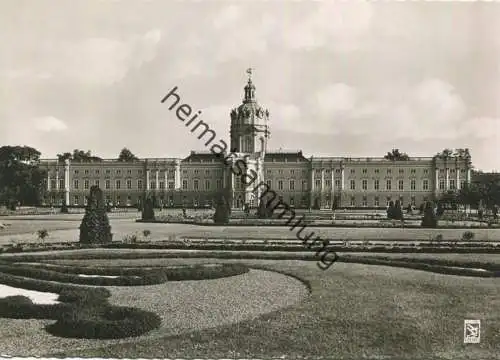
[{"x": 184, "y": 306}]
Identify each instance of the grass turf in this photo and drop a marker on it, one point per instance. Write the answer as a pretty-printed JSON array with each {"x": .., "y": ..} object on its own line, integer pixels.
[{"x": 354, "y": 311}]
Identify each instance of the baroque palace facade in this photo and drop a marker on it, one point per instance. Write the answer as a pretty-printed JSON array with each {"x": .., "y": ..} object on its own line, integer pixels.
[{"x": 300, "y": 182}]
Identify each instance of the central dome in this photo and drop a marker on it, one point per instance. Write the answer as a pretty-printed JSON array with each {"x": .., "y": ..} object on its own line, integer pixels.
[{"x": 250, "y": 112}]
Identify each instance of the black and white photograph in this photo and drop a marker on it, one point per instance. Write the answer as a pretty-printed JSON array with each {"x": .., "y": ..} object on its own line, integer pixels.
[{"x": 237, "y": 179}]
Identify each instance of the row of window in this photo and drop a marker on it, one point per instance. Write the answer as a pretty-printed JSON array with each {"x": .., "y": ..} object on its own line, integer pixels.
[
  {"x": 218, "y": 172},
  {"x": 388, "y": 184},
  {"x": 280, "y": 184},
  {"x": 389, "y": 171},
  {"x": 376, "y": 201},
  {"x": 152, "y": 184},
  {"x": 170, "y": 173}
]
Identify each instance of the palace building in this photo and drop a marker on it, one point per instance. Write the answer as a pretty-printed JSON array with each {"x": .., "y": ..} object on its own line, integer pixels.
[{"x": 300, "y": 182}]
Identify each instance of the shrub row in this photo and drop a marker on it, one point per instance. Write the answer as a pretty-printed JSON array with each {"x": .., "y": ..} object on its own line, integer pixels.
[
  {"x": 148, "y": 278},
  {"x": 64, "y": 290},
  {"x": 438, "y": 262},
  {"x": 282, "y": 223},
  {"x": 69, "y": 274},
  {"x": 419, "y": 265},
  {"x": 295, "y": 247}
]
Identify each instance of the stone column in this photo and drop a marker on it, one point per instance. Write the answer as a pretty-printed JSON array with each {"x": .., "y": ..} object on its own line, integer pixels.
[
  {"x": 57, "y": 179},
  {"x": 165, "y": 180},
  {"x": 458, "y": 178},
  {"x": 447, "y": 179},
  {"x": 332, "y": 189},
  {"x": 436, "y": 181},
  {"x": 342, "y": 175},
  {"x": 157, "y": 179},
  {"x": 148, "y": 179},
  {"x": 177, "y": 174},
  {"x": 66, "y": 181},
  {"x": 322, "y": 194},
  {"x": 311, "y": 189},
  {"x": 48, "y": 179},
  {"x": 233, "y": 178},
  {"x": 468, "y": 178},
  {"x": 260, "y": 178}
]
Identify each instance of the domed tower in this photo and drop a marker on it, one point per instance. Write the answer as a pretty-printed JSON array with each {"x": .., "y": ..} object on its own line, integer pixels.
[{"x": 249, "y": 124}]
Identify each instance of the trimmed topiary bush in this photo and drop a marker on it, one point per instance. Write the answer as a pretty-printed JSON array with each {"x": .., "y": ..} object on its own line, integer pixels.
[
  {"x": 222, "y": 211},
  {"x": 106, "y": 322},
  {"x": 64, "y": 207},
  {"x": 42, "y": 234},
  {"x": 390, "y": 210},
  {"x": 429, "y": 219},
  {"x": 468, "y": 235},
  {"x": 95, "y": 228},
  {"x": 398, "y": 211},
  {"x": 148, "y": 211}
]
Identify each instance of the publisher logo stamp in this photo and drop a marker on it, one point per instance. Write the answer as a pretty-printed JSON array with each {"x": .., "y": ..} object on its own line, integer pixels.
[{"x": 472, "y": 331}]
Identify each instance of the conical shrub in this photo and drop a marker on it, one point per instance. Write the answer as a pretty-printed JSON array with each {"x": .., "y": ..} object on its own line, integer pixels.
[
  {"x": 429, "y": 219},
  {"x": 95, "y": 228},
  {"x": 148, "y": 211}
]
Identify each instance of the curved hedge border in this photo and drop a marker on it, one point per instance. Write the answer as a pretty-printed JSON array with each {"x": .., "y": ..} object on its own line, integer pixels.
[
  {"x": 158, "y": 275},
  {"x": 418, "y": 264},
  {"x": 148, "y": 277}
]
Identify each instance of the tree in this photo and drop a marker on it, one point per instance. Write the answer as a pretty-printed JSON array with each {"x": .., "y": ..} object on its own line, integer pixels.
[
  {"x": 445, "y": 154},
  {"x": 78, "y": 155},
  {"x": 95, "y": 228},
  {"x": 21, "y": 179},
  {"x": 462, "y": 153},
  {"x": 127, "y": 156},
  {"x": 396, "y": 155},
  {"x": 429, "y": 220},
  {"x": 222, "y": 210}
]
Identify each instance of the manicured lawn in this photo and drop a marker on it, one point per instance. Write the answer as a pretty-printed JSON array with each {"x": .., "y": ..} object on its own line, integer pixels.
[{"x": 354, "y": 311}]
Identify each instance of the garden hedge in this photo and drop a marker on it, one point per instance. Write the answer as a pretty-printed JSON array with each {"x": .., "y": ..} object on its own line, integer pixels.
[
  {"x": 103, "y": 322},
  {"x": 83, "y": 320},
  {"x": 148, "y": 277},
  {"x": 157, "y": 275},
  {"x": 418, "y": 264}
]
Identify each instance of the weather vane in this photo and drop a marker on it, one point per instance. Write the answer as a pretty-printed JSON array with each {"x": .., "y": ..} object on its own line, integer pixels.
[{"x": 249, "y": 72}]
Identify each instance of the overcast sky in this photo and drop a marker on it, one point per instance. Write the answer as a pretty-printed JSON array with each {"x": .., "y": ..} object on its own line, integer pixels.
[{"x": 340, "y": 79}]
